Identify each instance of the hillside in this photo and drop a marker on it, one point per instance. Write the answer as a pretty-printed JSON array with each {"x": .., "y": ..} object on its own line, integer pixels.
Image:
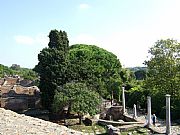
[
  {"x": 17, "y": 70},
  {"x": 134, "y": 69}
]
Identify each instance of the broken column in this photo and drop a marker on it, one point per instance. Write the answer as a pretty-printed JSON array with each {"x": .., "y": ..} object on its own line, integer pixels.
[
  {"x": 123, "y": 100},
  {"x": 134, "y": 112},
  {"x": 149, "y": 111},
  {"x": 168, "y": 117}
]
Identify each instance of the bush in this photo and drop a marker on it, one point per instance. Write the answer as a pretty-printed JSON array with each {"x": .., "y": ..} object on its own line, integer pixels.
[{"x": 136, "y": 96}]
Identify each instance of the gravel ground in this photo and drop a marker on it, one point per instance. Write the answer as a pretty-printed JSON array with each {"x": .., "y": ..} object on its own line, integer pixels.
[
  {"x": 12, "y": 123},
  {"x": 160, "y": 124}
]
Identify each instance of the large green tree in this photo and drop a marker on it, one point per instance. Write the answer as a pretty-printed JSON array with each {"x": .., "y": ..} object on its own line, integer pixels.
[
  {"x": 78, "y": 97},
  {"x": 88, "y": 64},
  {"x": 96, "y": 67},
  {"x": 52, "y": 66},
  {"x": 164, "y": 74}
]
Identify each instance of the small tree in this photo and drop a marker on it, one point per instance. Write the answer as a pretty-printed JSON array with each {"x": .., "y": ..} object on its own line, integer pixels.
[{"x": 78, "y": 98}]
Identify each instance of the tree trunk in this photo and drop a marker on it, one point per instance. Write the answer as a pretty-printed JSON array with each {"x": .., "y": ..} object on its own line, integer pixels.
[
  {"x": 80, "y": 118},
  {"x": 112, "y": 98},
  {"x": 68, "y": 111}
]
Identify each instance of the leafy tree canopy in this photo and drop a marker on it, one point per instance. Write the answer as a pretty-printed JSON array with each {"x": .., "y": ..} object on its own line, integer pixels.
[
  {"x": 96, "y": 67},
  {"x": 60, "y": 64},
  {"x": 78, "y": 97},
  {"x": 164, "y": 67},
  {"x": 140, "y": 74},
  {"x": 164, "y": 73}
]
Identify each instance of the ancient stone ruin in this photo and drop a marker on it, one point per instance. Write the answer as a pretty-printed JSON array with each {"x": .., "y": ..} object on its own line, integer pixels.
[{"x": 16, "y": 94}]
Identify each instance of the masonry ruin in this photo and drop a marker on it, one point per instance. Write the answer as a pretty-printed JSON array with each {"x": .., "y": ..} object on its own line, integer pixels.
[{"x": 18, "y": 94}]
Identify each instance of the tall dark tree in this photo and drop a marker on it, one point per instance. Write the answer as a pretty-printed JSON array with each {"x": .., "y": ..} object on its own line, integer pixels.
[{"x": 52, "y": 66}]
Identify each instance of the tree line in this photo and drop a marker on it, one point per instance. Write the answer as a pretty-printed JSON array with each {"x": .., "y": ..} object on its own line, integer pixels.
[
  {"x": 17, "y": 70},
  {"x": 80, "y": 76},
  {"x": 77, "y": 76}
]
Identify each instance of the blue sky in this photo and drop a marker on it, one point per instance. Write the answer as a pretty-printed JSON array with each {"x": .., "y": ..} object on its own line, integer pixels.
[{"x": 128, "y": 28}]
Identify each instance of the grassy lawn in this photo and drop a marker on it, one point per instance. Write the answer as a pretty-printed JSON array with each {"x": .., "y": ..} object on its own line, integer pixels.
[
  {"x": 140, "y": 131},
  {"x": 96, "y": 129},
  {"x": 100, "y": 130}
]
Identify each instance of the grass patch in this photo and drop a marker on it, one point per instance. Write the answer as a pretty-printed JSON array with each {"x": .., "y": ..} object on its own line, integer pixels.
[
  {"x": 140, "y": 131},
  {"x": 96, "y": 129}
]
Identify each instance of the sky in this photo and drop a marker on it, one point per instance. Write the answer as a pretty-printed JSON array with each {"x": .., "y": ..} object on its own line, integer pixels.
[{"x": 127, "y": 28}]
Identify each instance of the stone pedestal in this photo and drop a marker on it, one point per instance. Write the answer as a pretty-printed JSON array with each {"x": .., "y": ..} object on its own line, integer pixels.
[
  {"x": 112, "y": 130},
  {"x": 149, "y": 111},
  {"x": 123, "y": 100},
  {"x": 168, "y": 116}
]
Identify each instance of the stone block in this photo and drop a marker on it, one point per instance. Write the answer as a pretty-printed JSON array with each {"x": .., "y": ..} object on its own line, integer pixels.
[
  {"x": 115, "y": 112},
  {"x": 112, "y": 130},
  {"x": 87, "y": 122},
  {"x": 15, "y": 104}
]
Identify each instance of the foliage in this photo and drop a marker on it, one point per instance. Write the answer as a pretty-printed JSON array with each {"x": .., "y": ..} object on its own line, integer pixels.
[
  {"x": 96, "y": 67},
  {"x": 52, "y": 66},
  {"x": 27, "y": 74},
  {"x": 136, "y": 95},
  {"x": 89, "y": 64},
  {"x": 22, "y": 72},
  {"x": 4, "y": 70},
  {"x": 15, "y": 67},
  {"x": 78, "y": 97},
  {"x": 164, "y": 74},
  {"x": 128, "y": 78},
  {"x": 140, "y": 74}
]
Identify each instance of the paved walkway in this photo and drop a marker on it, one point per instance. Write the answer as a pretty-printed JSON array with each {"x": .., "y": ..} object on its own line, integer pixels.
[{"x": 160, "y": 125}]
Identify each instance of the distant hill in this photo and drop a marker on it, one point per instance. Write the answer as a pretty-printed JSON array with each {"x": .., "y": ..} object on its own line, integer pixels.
[
  {"x": 139, "y": 72},
  {"x": 17, "y": 70},
  {"x": 134, "y": 69}
]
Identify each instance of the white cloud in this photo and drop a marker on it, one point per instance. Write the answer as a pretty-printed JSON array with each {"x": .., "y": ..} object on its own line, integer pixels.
[
  {"x": 21, "y": 39},
  {"x": 84, "y": 6},
  {"x": 40, "y": 38}
]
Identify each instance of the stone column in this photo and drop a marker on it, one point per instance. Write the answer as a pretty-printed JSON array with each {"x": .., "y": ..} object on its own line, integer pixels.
[
  {"x": 134, "y": 112},
  {"x": 149, "y": 111},
  {"x": 123, "y": 100},
  {"x": 168, "y": 116}
]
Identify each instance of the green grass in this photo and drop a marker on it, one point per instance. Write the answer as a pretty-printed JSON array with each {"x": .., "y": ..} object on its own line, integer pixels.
[
  {"x": 140, "y": 131},
  {"x": 100, "y": 130},
  {"x": 96, "y": 129}
]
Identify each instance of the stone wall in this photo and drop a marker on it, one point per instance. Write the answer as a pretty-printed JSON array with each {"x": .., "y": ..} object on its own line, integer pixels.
[
  {"x": 15, "y": 97},
  {"x": 15, "y": 104}
]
